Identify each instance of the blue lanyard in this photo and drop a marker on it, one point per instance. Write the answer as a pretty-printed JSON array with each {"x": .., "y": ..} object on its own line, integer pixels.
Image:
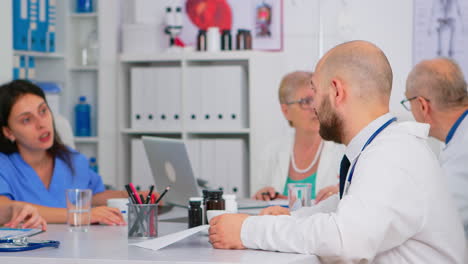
[
  {"x": 454, "y": 127},
  {"x": 350, "y": 178}
]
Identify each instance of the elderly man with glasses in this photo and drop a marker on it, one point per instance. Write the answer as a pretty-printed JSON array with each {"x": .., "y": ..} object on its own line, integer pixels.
[{"x": 437, "y": 94}]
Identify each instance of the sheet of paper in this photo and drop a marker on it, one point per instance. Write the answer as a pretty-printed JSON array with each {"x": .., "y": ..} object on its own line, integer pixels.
[
  {"x": 9, "y": 233},
  {"x": 170, "y": 239}
]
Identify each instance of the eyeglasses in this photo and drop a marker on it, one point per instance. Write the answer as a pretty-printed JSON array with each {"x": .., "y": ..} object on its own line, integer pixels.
[
  {"x": 304, "y": 103},
  {"x": 406, "y": 102}
]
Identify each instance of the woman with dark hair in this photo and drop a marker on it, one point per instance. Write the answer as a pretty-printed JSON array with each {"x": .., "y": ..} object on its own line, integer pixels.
[{"x": 37, "y": 167}]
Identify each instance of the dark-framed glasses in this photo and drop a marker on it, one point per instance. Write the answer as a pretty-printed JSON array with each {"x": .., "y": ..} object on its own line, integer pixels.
[
  {"x": 304, "y": 103},
  {"x": 406, "y": 102}
]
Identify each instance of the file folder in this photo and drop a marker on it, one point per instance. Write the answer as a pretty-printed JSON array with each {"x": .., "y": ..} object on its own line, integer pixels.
[
  {"x": 42, "y": 26},
  {"x": 31, "y": 69},
  {"x": 193, "y": 97},
  {"x": 138, "y": 97},
  {"x": 33, "y": 32},
  {"x": 51, "y": 25},
  {"x": 16, "y": 67},
  {"x": 20, "y": 24},
  {"x": 22, "y": 69}
]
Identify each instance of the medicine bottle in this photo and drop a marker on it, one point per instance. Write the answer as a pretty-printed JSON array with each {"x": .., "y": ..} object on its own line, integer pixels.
[
  {"x": 215, "y": 201},
  {"x": 201, "y": 40},
  {"x": 247, "y": 40},
  {"x": 226, "y": 41},
  {"x": 195, "y": 212},
  {"x": 231, "y": 204},
  {"x": 205, "y": 198},
  {"x": 240, "y": 39}
]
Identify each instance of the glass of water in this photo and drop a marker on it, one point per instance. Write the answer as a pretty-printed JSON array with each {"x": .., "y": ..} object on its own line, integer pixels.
[
  {"x": 79, "y": 209},
  {"x": 299, "y": 195}
]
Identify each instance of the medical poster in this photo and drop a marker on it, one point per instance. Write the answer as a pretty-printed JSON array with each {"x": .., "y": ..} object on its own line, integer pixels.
[{"x": 441, "y": 29}]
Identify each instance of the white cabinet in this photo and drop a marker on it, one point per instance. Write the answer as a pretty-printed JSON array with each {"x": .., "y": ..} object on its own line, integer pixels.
[{"x": 228, "y": 107}]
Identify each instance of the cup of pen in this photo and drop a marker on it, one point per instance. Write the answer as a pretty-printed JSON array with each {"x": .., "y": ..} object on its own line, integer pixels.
[
  {"x": 142, "y": 220},
  {"x": 78, "y": 209}
]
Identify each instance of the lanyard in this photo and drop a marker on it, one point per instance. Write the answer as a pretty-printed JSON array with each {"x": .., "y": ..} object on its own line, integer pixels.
[
  {"x": 454, "y": 127},
  {"x": 350, "y": 177}
]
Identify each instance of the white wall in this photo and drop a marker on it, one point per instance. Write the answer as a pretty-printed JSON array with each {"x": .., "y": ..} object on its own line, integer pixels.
[
  {"x": 6, "y": 45},
  {"x": 311, "y": 27}
]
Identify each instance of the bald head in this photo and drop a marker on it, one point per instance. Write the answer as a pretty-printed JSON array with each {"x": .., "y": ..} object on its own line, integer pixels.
[
  {"x": 441, "y": 81},
  {"x": 363, "y": 66}
]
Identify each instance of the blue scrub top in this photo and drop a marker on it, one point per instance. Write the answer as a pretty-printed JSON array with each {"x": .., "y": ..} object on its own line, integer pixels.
[{"x": 18, "y": 180}]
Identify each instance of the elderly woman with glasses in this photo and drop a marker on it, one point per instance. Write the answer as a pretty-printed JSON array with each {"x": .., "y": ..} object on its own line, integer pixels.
[{"x": 304, "y": 157}]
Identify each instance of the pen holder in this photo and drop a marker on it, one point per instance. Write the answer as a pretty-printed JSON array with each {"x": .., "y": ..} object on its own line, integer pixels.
[{"x": 142, "y": 220}]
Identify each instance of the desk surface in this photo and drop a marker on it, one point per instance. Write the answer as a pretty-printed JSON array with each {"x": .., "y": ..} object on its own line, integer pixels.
[{"x": 109, "y": 244}]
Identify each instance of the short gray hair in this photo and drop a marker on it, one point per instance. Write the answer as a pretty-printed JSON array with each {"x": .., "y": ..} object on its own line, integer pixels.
[
  {"x": 291, "y": 82},
  {"x": 441, "y": 80}
]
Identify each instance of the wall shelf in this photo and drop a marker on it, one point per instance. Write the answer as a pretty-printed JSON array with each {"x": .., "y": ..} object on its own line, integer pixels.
[
  {"x": 40, "y": 55},
  {"x": 86, "y": 140},
  {"x": 84, "y": 15},
  {"x": 84, "y": 68}
]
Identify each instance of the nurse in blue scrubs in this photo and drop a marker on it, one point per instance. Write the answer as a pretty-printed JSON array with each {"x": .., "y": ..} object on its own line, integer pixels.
[{"x": 36, "y": 167}]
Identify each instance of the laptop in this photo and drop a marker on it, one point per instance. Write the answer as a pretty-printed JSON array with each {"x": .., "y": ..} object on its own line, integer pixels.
[{"x": 170, "y": 164}]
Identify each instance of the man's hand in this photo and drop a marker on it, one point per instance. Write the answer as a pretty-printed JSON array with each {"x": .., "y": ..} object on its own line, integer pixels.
[
  {"x": 225, "y": 231},
  {"x": 25, "y": 216},
  {"x": 106, "y": 215},
  {"x": 275, "y": 210},
  {"x": 326, "y": 192}
]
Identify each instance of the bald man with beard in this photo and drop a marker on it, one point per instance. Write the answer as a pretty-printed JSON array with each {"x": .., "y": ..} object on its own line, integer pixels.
[
  {"x": 436, "y": 94},
  {"x": 394, "y": 206}
]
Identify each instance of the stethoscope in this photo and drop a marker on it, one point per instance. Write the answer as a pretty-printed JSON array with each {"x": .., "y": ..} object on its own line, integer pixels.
[
  {"x": 24, "y": 244},
  {"x": 350, "y": 176}
]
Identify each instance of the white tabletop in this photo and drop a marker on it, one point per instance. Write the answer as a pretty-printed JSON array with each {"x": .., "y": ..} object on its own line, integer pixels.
[{"x": 109, "y": 244}]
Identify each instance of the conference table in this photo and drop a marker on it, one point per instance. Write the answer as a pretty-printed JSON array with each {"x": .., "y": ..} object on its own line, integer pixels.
[{"x": 109, "y": 244}]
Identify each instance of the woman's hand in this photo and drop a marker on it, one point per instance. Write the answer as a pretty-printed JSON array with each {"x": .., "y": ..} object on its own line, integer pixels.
[
  {"x": 267, "y": 194},
  {"x": 26, "y": 216},
  {"x": 275, "y": 210},
  {"x": 106, "y": 215},
  {"x": 326, "y": 192}
]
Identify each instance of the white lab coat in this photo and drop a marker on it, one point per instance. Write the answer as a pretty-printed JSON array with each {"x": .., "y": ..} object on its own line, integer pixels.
[
  {"x": 397, "y": 209},
  {"x": 454, "y": 162},
  {"x": 273, "y": 166}
]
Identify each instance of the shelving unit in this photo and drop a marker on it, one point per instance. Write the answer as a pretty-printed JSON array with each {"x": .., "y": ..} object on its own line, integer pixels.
[{"x": 263, "y": 112}]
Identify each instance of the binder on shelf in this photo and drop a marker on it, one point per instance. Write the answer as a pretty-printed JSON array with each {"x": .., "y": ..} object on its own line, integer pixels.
[
  {"x": 22, "y": 68},
  {"x": 31, "y": 69},
  {"x": 208, "y": 161},
  {"x": 20, "y": 24},
  {"x": 42, "y": 26},
  {"x": 237, "y": 167},
  {"x": 207, "y": 100},
  {"x": 141, "y": 173},
  {"x": 51, "y": 25},
  {"x": 193, "y": 149},
  {"x": 221, "y": 166},
  {"x": 152, "y": 115},
  {"x": 16, "y": 67},
  {"x": 137, "y": 95},
  {"x": 33, "y": 31},
  {"x": 193, "y": 97},
  {"x": 236, "y": 100}
]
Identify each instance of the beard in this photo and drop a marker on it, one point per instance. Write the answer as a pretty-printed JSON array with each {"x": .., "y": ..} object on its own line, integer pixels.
[{"x": 331, "y": 125}]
